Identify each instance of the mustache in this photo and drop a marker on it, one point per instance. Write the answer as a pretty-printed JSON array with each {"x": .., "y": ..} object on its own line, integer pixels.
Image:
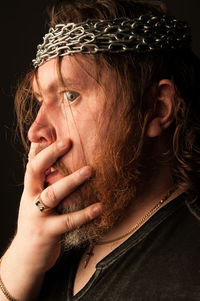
[{"x": 60, "y": 166}]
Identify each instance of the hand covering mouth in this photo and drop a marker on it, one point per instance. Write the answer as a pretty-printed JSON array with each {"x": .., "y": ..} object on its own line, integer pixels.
[
  {"x": 52, "y": 175},
  {"x": 56, "y": 172}
]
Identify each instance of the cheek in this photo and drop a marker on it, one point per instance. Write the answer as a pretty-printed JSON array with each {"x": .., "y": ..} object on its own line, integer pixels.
[
  {"x": 82, "y": 131},
  {"x": 86, "y": 120},
  {"x": 88, "y": 134},
  {"x": 82, "y": 125}
]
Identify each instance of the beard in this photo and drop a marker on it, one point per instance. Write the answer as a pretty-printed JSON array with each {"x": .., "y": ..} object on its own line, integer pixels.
[
  {"x": 118, "y": 174},
  {"x": 113, "y": 183}
]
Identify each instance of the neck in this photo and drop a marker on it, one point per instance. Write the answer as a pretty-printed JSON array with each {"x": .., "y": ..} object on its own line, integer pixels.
[
  {"x": 150, "y": 194},
  {"x": 153, "y": 191}
]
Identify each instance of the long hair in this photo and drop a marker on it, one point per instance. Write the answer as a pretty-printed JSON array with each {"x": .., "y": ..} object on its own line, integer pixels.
[{"x": 137, "y": 77}]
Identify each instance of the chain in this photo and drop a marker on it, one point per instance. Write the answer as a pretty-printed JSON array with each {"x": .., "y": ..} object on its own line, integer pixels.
[
  {"x": 149, "y": 214},
  {"x": 143, "y": 34}
]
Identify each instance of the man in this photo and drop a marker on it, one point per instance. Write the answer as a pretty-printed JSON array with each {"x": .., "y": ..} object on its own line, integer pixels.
[{"x": 110, "y": 206}]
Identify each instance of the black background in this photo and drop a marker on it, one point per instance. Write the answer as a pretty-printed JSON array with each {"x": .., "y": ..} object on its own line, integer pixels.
[{"x": 21, "y": 29}]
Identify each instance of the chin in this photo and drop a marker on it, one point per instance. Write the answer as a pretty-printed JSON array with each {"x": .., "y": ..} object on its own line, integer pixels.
[{"x": 83, "y": 235}]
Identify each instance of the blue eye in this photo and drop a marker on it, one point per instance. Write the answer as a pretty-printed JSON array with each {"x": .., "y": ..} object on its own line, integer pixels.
[{"x": 71, "y": 96}]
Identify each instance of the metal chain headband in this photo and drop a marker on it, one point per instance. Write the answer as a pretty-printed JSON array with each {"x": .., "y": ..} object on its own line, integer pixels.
[{"x": 143, "y": 34}]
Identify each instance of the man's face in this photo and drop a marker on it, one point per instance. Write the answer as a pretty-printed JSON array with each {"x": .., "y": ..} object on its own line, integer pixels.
[
  {"x": 76, "y": 104},
  {"x": 71, "y": 108},
  {"x": 80, "y": 104}
]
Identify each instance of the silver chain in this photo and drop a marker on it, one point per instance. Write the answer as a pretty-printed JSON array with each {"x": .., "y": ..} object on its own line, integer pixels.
[{"x": 143, "y": 34}]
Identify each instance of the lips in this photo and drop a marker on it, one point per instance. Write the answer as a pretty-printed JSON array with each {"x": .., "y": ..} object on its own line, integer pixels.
[
  {"x": 52, "y": 176},
  {"x": 50, "y": 170}
]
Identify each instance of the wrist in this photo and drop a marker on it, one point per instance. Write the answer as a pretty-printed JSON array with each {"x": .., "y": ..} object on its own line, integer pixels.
[
  {"x": 5, "y": 293},
  {"x": 35, "y": 256},
  {"x": 15, "y": 283}
]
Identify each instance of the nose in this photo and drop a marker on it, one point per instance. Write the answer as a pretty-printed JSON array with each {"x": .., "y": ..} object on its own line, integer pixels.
[{"x": 41, "y": 130}]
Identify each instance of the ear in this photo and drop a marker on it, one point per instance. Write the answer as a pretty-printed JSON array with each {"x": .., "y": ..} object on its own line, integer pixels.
[{"x": 163, "y": 113}]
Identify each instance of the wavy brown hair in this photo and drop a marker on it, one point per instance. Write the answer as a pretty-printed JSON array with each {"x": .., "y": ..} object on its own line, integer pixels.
[{"x": 137, "y": 77}]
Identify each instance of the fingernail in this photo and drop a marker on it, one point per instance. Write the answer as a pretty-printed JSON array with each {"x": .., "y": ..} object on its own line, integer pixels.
[
  {"x": 63, "y": 144},
  {"x": 85, "y": 171},
  {"x": 97, "y": 209}
]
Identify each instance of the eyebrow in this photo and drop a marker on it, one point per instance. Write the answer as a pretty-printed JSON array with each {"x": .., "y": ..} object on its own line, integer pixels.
[{"x": 68, "y": 83}]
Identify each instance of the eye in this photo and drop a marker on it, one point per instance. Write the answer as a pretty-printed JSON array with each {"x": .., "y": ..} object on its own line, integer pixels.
[{"x": 71, "y": 96}]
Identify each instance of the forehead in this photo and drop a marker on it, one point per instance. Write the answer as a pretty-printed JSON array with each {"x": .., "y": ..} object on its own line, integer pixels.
[{"x": 72, "y": 71}]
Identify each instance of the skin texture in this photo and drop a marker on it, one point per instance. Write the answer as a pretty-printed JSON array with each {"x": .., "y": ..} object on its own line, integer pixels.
[
  {"x": 37, "y": 233},
  {"x": 60, "y": 118},
  {"x": 70, "y": 133}
]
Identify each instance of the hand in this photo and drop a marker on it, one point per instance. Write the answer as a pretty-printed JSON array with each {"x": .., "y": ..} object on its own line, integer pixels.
[
  {"x": 36, "y": 245},
  {"x": 43, "y": 230}
]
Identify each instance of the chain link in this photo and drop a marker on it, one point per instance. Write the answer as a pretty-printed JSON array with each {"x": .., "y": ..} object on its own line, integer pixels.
[{"x": 143, "y": 34}]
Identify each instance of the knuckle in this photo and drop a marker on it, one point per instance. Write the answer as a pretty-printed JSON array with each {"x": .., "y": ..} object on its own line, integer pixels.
[
  {"x": 30, "y": 168},
  {"x": 69, "y": 223},
  {"x": 87, "y": 215},
  {"x": 49, "y": 195},
  {"x": 30, "y": 156}
]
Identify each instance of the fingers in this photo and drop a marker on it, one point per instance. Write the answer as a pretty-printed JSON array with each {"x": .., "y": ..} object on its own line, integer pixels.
[
  {"x": 47, "y": 157},
  {"x": 59, "y": 224},
  {"x": 39, "y": 163},
  {"x": 33, "y": 150},
  {"x": 55, "y": 193}
]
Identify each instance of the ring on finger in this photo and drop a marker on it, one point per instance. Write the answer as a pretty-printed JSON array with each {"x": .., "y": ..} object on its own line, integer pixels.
[{"x": 42, "y": 207}]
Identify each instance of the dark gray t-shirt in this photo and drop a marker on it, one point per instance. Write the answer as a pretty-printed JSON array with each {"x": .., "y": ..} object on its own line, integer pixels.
[{"x": 160, "y": 262}]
